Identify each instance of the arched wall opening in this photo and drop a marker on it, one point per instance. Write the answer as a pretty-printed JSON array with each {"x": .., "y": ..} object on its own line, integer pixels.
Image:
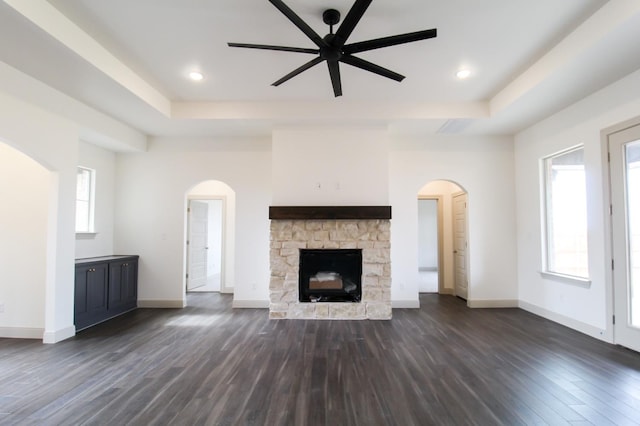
[
  {"x": 442, "y": 238},
  {"x": 26, "y": 190},
  {"x": 209, "y": 237}
]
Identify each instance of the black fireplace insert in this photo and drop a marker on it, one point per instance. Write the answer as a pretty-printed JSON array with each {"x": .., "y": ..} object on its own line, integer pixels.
[{"x": 330, "y": 275}]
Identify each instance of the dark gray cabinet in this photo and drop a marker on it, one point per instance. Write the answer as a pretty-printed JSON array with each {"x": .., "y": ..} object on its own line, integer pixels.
[
  {"x": 104, "y": 288},
  {"x": 123, "y": 285}
]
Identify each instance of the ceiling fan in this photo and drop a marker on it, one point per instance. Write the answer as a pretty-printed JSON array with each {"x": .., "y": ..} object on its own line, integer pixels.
[{"x": 333, "y": 48}]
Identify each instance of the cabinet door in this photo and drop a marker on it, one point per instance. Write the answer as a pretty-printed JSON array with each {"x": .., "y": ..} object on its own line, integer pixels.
[
  {"x": 123, "y": 286},
  {"x": 90, "y": 294},
  {"x": 130, "y": 284}
]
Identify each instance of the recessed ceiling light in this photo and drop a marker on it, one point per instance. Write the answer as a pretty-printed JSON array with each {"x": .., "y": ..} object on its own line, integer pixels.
[
  {"x": 463, "y": 73},
  {"x": 196, "y": 76}
]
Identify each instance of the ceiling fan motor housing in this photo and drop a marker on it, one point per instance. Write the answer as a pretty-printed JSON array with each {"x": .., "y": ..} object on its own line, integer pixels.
[{"x": 330, "y": 52}]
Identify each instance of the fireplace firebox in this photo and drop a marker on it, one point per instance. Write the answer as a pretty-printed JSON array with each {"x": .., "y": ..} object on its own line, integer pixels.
[{"x": 330, "y": 275}]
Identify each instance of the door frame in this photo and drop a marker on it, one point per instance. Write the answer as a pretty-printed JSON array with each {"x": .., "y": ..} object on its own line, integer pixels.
[
  {"x": 223, "y": 245},
  {"x": 466, "y": 235},
  {"x": 608, "y": 228},
  {"x": 189, "y": 278},
  {"x": 440, "y": 220}
]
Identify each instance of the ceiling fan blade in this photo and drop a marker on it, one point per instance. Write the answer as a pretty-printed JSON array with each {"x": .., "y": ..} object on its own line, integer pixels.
[
  {"x": 298, "y": 70},
  {"x": 389, "y": 41},
  {"x": 270, "y": 47},
  {"x": 334, "y": 72},
  {"x": 298, "y": 22},
  {"x": 371, "y": 67},
  {"x": 350, "y": 21}
]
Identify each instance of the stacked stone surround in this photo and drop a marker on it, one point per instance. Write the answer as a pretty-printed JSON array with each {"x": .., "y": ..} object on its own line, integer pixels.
[{"x": 289, "y": 236}]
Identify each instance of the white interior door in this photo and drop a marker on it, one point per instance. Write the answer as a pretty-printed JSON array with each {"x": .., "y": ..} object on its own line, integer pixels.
[
  {"x": 460, "y": 244},
  {"x": 624, "y": 152},
  {"x": 197, "y": 244}
]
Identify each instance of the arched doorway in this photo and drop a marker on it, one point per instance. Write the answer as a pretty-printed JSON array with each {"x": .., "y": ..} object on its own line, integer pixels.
[
  {"x": 25, "y": 190},
  {"x": 209, "y": 238},
  {"x": 443, "y": 239}
]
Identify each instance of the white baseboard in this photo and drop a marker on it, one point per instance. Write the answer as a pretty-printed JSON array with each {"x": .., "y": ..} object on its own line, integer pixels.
[
  {"x": 405, "y": 304},
  {"x": 21, "y": 332},
  {"x": 250, "y": 304},
  {"x": 587, "y": 329},
  {"x": 161, "y": 303},
  {"x": 488, "y": 303},
  {"x": 59, "y": 335},
  {"x": 38, "y": 333}
]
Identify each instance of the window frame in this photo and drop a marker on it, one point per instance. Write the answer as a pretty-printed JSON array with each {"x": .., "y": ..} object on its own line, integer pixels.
[
  {"x": 545, "y": 213},
  {"x": 90, "y": 231}
]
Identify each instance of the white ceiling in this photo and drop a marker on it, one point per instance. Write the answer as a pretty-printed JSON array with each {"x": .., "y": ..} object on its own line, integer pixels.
[{"x": 129, "y": 59}]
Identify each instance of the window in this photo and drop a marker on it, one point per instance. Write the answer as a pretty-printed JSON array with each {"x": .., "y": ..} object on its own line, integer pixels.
[
  {"x": 565, "y": 214},
  {"x": 85, "y": 194}
]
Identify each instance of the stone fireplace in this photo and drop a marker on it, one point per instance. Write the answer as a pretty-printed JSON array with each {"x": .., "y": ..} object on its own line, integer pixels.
[{"x": 326, "y": 231}]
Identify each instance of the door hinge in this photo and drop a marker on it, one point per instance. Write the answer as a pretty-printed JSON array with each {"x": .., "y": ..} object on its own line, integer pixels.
[
  {"x": 187, "y": 276},
  {"x": 609, "y": 157},
  {"x": 187, "y": 242},
  {"x": 614, "y": 320},
  {"x": 612, "y": 265},
  {"x": 188, "y": 209},
  {"x": 610, "y": 209}
]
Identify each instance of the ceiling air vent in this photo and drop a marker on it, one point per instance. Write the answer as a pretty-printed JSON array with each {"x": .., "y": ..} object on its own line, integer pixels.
[{"x": 454, "y": 126}]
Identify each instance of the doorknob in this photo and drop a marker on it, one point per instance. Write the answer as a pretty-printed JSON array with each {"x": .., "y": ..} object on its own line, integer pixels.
[
  {"x": 455, "y": 251},
  {"x": 206, "y": 248}
]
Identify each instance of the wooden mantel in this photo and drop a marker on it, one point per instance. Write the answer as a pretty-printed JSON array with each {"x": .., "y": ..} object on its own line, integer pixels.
[{"x": 329, "y": 212}]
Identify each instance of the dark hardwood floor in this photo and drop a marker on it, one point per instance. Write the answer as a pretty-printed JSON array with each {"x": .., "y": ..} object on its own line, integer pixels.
[{"x": 443, "y": 364}]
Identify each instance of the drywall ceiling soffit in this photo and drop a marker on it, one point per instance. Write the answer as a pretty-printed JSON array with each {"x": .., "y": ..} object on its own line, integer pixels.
[{"x": 128, "y": 59}]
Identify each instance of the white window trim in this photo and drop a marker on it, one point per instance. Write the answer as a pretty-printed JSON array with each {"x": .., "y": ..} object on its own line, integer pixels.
[
  {"x": 91, "y": 233},
  {"x": 86, "y": 235},
  {"x": 567, "y": 279},
  {"x": 545, "y": 272}
]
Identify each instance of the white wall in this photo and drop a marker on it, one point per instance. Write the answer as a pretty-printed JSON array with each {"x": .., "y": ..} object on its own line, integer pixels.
[
  {"x": 330, "y": 166},
  {"x": 150, "y": 221},
  {"x": 103, "y": 162},
  {"x": 581, "y": 307},
  {"x": 24, "y": 211},
  {"x": 93, "y": 126},
  {"x": 52, "y": 141},
  {"x": 483, "y": 166}
]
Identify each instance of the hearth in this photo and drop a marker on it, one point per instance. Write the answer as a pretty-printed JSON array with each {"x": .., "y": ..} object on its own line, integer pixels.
[{"x": 330, "y": 275}]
